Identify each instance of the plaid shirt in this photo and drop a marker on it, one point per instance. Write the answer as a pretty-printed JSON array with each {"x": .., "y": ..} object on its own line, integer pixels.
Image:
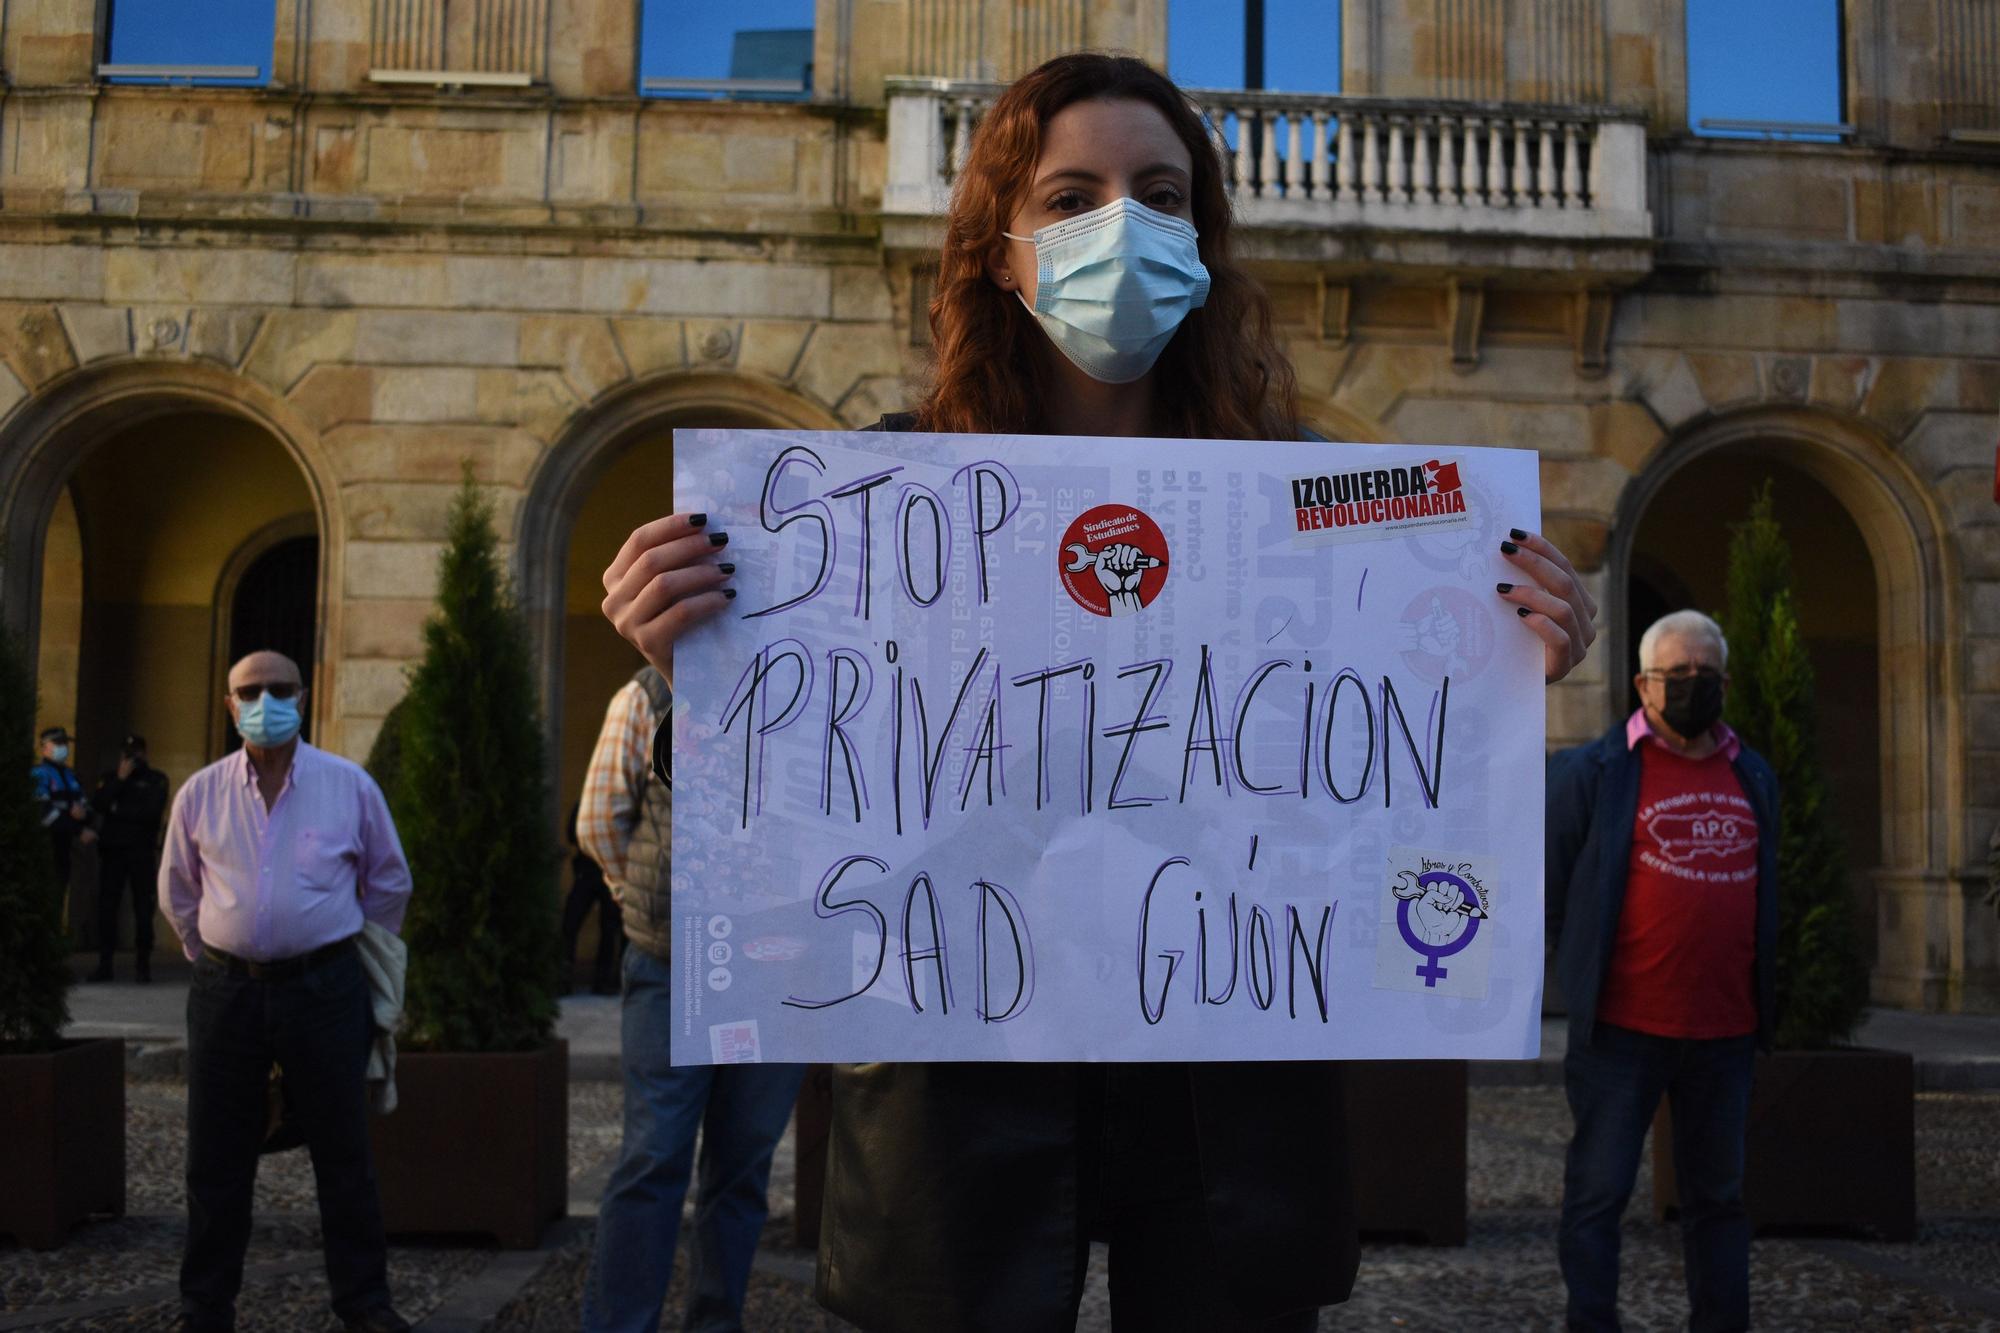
[{"x": 614, "y": 787}]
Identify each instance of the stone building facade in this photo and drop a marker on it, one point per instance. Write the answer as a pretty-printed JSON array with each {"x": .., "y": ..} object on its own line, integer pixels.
[{"x": 249, "y": 337}]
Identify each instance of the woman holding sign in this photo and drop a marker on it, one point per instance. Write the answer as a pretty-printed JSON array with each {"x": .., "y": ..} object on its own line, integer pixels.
[{"x": 1086, "y": 288}]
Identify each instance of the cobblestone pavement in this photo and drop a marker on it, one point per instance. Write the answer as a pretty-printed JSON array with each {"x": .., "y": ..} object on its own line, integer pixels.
[{"x": 119, "y": 1274}]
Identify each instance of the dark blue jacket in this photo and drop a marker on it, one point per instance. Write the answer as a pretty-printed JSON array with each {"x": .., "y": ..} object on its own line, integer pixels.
[{"x": 1593, "y": 797}]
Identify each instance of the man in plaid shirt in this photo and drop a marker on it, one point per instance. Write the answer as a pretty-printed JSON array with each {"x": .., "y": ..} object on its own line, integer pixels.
[{"x": 625, "y": 825}]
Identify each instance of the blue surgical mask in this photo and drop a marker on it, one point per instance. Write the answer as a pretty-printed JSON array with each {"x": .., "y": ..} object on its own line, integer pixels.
[
  {"x": 59, "y": 753},
  {"x": 268, "y": 723},
  {"x": 1112, "y": 285}
]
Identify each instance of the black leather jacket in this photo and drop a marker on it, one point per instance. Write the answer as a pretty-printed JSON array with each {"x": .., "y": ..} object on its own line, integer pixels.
[{"x": 952, "y": 1189}]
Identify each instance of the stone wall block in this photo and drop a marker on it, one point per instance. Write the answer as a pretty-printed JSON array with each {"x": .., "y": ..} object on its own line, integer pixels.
[
  {"x": 407, "y": 511},
  {"x": 238, "y": 276},
  {"x": 1592, "y": 485},
  {"x": 862, "y": 293},
  {"x": 385, "y": 628},
  {"x": 1982, "y": 669},
  {"x": 1724, "y": 379},
  {"x": 35, "y": 272},
  {"x": 406, "y": 570},
  {"x": 1979, "y": 549},
  {"x": 771, "y": 348},
  {"x": 222, "y": 335},
  {"x": 12, "y": 391},
  {"x": 34, "y": 342},
  {"x": 1982, "y": 607},
  {"x": 436, "y": 338},
  {"x": 371, "y": 687},
  {"x": 291, "y": 342},
  {"x": 871, "y": 399},
  {"x": 581, "y": 347},
  {"x": 1626, "y": 433},
  {"x": 1967, "y": 496},
  {"x": 1982, "y": 716},
  {"x": 377, "y": 280},
  {"x": 1581, "y": 537},
  {"x": 1840, "y": 382},
  {"x": 1669, "y": 388},
  {"x": 1979, "y": 386},
  {"x": 537, "y": 401},
  {"x": 98, "y": 331},
  {"x": 1381, "y": 374},
  {"x": 437, "y": 452},
  {"x": 1576, "y": 713},
  {"x": 652, "y": 345},
  {"x": 426, "y": 393},
  {"x": 331, "y": 394},
  {"x": 833, "y": 365},
  {"x": 1943, "y": 441},
  {"x": 1562, "y": 429},
  {"x": 1904, "y": 388}
]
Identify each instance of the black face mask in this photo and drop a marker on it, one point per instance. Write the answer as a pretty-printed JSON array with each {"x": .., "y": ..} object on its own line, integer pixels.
[{"x": 1693, "y": 705}]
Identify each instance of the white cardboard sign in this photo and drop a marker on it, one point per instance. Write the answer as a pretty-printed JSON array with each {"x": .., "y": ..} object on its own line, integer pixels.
[{"x": 1043, "y": 748}]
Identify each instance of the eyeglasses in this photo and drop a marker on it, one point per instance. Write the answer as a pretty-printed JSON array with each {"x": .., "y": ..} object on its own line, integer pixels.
[
  {"x": 1682, "y": 672},
  {"x": 247, "y": 694}
]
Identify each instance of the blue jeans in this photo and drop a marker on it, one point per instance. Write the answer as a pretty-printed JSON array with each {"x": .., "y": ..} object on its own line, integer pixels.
[
  {"x": 1615, "y": 1083},
  {"x": 741, "y": 1111}
]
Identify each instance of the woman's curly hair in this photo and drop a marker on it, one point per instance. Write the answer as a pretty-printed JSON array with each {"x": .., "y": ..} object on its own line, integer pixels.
[{"x": 1222, "y": 376}]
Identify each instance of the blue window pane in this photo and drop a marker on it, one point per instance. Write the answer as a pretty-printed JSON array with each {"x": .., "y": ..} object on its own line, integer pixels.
[
  {"x": 1301, "y": 44},
  {"x": 1772, "y": 61},
  {"x": 688, "y": 48},
  {"x": 185, "y": 33}
]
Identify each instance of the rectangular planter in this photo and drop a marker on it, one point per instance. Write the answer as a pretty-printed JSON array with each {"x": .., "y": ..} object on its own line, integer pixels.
[
  {"x": 62, "y": 1138},
  {"x": 1832, "y": 1145},
  {"x": 478, "y": 1145},
  {"x": 1407, "y": 1194}
]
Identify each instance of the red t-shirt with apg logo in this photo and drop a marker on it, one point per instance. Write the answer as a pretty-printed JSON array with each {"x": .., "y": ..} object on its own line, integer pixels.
[{"x": 1684, "y": 962}]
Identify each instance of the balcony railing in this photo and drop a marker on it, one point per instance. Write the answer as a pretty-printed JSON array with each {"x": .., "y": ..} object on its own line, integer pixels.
[{"x": 1317, "y": 161}]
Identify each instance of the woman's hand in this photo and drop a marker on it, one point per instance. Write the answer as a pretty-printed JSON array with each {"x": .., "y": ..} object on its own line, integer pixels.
[
  {"x": 663, "y": 582},
  {"x": 1554, "y": 603}
]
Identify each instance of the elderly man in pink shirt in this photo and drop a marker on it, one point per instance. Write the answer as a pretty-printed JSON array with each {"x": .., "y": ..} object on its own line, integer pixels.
[{"x": 275, "y": 857}]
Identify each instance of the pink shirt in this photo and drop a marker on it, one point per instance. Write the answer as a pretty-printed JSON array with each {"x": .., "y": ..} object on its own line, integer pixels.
[
  {"x": 269, "y": 886},
  {"x": 1639, "y": 727}
]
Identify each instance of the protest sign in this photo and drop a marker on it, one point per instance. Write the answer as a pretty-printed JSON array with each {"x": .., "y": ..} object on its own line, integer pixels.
[{"x": 1043, "y": 748}]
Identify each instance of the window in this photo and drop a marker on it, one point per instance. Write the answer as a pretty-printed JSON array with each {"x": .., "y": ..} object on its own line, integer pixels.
[
  {"x": 1765, "y": 69},
  {"x": 226, "y": 42},
  {"x": 1300, "y": 51},
  {"x": 691, "y": 48}
]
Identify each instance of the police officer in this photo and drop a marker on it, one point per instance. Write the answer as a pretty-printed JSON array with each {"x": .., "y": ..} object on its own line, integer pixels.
[
  {"x": 129, "y": 803},
  {"x": 60, "y": 796}
]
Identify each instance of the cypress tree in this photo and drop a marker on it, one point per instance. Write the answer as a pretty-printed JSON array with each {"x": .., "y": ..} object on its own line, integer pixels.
[
  {"x": 34, "y": 970},
  {"x": 471, "y": 802},
  {"x": 1822, "y": 981}
]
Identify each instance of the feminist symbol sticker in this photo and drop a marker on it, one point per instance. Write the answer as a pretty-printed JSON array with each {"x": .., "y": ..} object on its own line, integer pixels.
[{"x": 1433, "y": 906}]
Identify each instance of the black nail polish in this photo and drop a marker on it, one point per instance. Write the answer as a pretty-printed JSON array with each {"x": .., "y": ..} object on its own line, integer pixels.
[
  {"x": 1504, "y": 587},
  {"x": 730, "y": 593},
  {"x": 1517, "y": 534},
  {"x": 1522, "y": 611},
  {"x": 1506, "y": 548},
  {"x": 697, "y": 520},
  {"x": 726, "y": 567},
  {"x": 718, "y": 539}
]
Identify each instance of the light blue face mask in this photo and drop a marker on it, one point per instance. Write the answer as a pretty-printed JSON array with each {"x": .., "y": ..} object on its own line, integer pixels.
[
  {"x": 268, "y": 723},
  {"x": 1112, "y": 285}
]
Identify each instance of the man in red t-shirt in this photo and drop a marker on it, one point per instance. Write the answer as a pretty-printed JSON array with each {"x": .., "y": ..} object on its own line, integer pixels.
[{"x": 1662, "y": 895}]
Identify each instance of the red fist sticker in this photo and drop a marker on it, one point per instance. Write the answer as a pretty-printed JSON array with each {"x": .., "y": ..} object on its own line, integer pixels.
[{"x": 1113, "y": 560}]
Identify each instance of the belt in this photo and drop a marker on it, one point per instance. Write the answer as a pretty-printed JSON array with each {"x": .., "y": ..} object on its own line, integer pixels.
[{"x": 281, "y": 969}]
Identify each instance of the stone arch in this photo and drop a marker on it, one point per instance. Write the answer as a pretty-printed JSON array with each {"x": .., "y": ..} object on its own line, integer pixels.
[
  {"x": 46, "y": 438},
  {"x": 1919, "y": 642},
  {"x": 571, "y": 469}
]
